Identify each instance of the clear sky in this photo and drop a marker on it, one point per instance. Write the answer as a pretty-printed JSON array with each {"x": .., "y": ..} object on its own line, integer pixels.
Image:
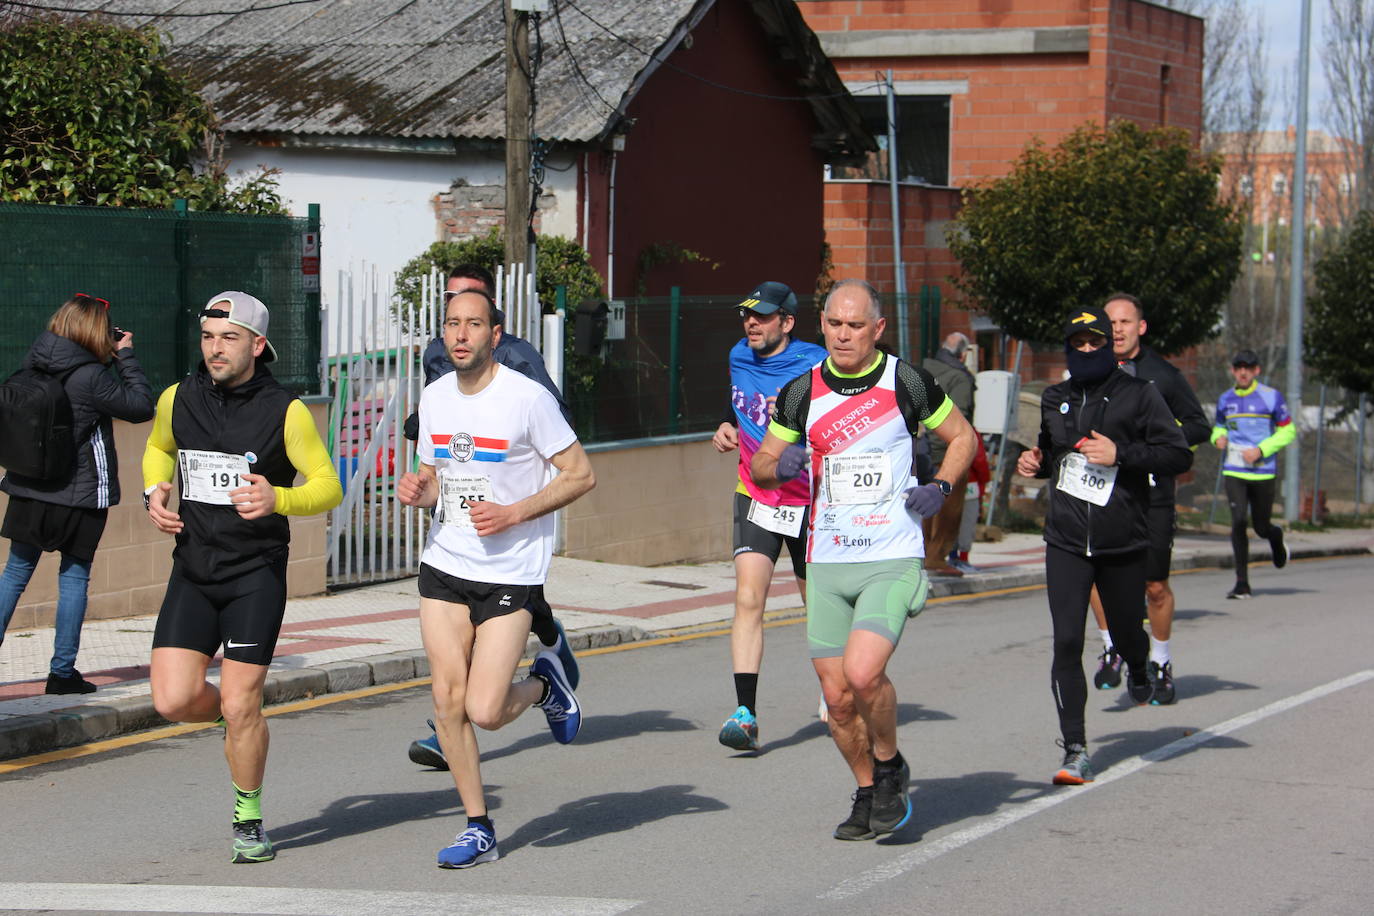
[{"x": 1282, "y": 25}]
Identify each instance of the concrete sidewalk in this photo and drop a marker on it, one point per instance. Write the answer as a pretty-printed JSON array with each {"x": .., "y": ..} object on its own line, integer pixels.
[{"x": 370, "y": 635}]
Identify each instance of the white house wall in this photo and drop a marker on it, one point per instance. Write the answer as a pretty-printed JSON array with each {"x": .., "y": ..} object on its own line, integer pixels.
[{"x": 377, "y": 209}]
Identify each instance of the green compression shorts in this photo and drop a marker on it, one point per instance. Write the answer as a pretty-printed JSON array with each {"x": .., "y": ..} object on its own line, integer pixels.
[{"x": 878, "y": 597}]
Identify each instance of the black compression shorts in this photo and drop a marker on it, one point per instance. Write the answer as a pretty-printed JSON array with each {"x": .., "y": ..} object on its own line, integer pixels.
[
  {"x": 1162, "y": 522},
  {"x": 243, "y": 613},
  {"x": 751, "y": 538},
  {"x": 484, "y": 600}
]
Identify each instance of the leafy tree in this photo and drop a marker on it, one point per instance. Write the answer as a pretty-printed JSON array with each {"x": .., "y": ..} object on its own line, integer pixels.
[
  {"x": 1114, "y": 209},
  {"x": 1338, "y": 336},
  {"x": 560, "y": 262},
  {"x": 94, "y": 113}
]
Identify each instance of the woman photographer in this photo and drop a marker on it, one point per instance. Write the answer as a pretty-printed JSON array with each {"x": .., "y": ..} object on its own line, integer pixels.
[{"x": 67, "y": 513}]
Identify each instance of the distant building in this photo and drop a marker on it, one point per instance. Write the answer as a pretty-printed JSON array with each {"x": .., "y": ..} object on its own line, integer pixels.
[{"x": 1259, "y": 170}]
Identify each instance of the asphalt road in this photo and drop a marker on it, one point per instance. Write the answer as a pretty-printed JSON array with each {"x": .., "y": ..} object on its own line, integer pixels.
[{"x": 1252, "y": 795}]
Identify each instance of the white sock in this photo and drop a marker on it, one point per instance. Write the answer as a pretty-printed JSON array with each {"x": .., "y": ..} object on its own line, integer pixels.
[
  {"x": 1106, "y": 639},
  {"x": 1159, "y": 651}
]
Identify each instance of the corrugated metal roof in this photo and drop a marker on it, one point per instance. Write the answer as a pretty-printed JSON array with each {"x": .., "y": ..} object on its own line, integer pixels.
[{"x": 424, "y": 68}]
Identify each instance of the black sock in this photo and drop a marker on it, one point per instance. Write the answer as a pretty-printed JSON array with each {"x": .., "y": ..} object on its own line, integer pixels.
[
  {"x": 543, "y": 697},
  {"x": 543, "y": 628},
  {"x": 482, "y": 820},
  {"x": 747, "y": 691},
  {"x": 893, "y": 764}
]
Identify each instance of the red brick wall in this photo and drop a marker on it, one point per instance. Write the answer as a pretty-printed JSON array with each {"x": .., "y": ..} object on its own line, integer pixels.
[{"x": 1013, "y": 98}]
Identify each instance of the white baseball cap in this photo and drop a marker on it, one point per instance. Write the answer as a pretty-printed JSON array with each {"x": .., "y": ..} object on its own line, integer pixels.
[{"x": 245, "y": 311}]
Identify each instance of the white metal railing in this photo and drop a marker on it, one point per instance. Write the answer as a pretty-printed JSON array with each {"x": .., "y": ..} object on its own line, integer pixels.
[{"x": 372, "y": 373}]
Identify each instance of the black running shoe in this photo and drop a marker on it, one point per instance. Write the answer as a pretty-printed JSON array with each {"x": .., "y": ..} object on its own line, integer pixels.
[
  {"x": 1138, "y": 685},
  {"x": 891, "y": 798},
  {"x": 856, "y": 827},
  {"x": 1108, "y": 674},
  {"x": 1241, "y": 591},
  {"x": 1161, "y": 683},
  {"x": 1280, "y": 550}
]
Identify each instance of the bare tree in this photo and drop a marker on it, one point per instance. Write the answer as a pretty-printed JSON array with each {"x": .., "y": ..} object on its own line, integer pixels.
[{"x": 1348, "y": 60}]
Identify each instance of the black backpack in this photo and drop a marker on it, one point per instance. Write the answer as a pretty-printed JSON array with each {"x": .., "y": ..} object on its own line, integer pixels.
[{"x": 39, "y": 437}]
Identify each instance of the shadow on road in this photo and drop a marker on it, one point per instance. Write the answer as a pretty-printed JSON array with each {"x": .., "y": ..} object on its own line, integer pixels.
[
  {"x": 1187, "y": 686},
  {"x": 601, "y": 728},
  {"x": 1114, "y": 748},
  {"x": 358, "y": 814},
  {"x": 613, "y": 812},
  {"x": 940, "y": 802}
]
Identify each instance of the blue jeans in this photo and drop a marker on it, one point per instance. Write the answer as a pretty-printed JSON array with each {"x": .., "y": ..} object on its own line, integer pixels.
[{"x": 72, "y": 579}]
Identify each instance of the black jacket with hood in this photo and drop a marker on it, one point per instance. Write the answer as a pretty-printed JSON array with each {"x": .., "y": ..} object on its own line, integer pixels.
[
  {"x": 96, "y": 398},
  {"x": 1130, "y": 412}
]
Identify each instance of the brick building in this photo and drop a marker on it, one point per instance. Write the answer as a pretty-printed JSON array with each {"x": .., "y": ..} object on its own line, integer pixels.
[
  {"x": 1263, "y": 172},
  {"x": 974, "y": 83}
]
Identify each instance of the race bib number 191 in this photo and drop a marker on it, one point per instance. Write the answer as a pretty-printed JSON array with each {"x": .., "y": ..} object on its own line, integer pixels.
[
  {"x": 457, "y": 493},
  {"x": 1091, "y": 482},
  {"x": 207, "y": 477}
]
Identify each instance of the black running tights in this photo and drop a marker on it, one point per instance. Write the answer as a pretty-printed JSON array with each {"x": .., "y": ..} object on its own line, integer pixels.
[
  {"x": 1120, "y": 581},
  {"x": 1259, "y": 495}
]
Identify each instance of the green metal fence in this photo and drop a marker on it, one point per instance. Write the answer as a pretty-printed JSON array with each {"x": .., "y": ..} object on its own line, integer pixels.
[
  {"x": 670, "y": 374},
  {"x": 158, "y": 268}
]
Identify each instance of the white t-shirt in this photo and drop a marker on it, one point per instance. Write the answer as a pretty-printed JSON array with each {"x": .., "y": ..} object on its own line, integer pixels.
[{"x": 495, "y": 445}]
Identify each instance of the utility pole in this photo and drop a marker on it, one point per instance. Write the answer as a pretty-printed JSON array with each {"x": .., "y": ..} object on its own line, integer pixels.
[
  {"x": 1292, "y": 466},
  {"x": 518, "y": 130}
]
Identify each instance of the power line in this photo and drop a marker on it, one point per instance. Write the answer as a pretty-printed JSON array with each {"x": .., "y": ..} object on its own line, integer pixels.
[{"x": 164, "y": 15}]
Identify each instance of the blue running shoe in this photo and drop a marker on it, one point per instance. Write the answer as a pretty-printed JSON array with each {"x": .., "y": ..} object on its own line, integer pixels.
[
  {"x": 473, "y": 846},
  {"x": 427, "y": 752},
  {"x": 565, "y": 655},
  {"x": 560, "y": 707},
  {"x": 741, "y": 730}
]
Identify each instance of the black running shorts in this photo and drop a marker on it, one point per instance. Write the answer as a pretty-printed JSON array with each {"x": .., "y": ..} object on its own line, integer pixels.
[
  {"x": 750, "y": 538},
  {"x": 243, "y": 613},
  {"x": 1161, "y": 522},
  {"x": 484, "y": 600}
]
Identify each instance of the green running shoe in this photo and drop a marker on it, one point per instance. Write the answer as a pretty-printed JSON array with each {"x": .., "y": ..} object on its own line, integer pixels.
[{"x": 251, "y": 843}]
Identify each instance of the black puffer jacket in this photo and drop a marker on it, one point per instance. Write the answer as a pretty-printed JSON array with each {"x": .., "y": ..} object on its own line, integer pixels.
[
  {"x": 96, "y": 397},
  {"x": 1130, "y": 412}
]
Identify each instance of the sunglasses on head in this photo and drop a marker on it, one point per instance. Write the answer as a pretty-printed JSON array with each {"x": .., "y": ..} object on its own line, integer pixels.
[{"x": 104, "y": 302}]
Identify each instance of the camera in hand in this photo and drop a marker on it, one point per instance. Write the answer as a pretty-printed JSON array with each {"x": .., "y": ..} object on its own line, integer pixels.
[{"x": 116, "y": 333}]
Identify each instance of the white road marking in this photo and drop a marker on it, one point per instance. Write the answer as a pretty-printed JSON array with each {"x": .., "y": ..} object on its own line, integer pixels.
[
  {"x": 286, "y": 901},
  {"x": 903, "y": 864}
]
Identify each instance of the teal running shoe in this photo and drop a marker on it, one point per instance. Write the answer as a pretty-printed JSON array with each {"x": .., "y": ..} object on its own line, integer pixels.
[{"x": 740, "y": 731}]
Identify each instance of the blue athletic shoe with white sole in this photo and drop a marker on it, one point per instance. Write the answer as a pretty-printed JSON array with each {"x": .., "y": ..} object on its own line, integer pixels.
[
  {"x": 475, "y": 845},
  {"x": 560, "y": 706},
  {"x": 427, "y": 752}
]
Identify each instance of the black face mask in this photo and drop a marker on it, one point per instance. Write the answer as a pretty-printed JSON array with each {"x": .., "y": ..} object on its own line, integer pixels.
[{"x": 1092, "y": 366}]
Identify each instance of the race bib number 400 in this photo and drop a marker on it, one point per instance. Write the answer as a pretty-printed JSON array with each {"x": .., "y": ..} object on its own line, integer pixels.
[
  {"x": 207, "y": 477},
  {"x": 783, "y": 520},
  {"x": 457, "y": 494},
  {"x": 857, "y": 479},
  {"x": 1091, "y": 482}
]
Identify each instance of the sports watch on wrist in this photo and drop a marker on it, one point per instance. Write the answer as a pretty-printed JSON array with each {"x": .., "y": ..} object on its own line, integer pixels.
[{"x": 944, "y": 485}]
